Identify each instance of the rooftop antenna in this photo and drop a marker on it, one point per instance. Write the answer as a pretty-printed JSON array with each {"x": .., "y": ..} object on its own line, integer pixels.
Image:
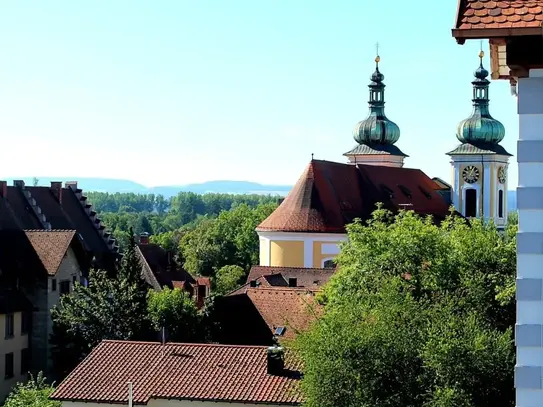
[{"x": 130, "y": 394}]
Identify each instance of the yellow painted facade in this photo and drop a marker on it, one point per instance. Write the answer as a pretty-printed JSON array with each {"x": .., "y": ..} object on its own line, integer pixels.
[
  {"x": 286, "y": 253},
  {"x": 310, "y": 251}
]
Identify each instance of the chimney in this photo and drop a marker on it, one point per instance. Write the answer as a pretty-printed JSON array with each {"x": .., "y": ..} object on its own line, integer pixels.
[
  {"x": 144, "y": 239},
  {"x": 71, "y": 184},
  {"x": 276, "y": 360},
  {"x": 19, "y": 183},
  {"x": 252, "y": 283},
  {"x": 3, "y": 189},
  {"x": 56, "y": 189},
  {"x": 293, "y": 282}
]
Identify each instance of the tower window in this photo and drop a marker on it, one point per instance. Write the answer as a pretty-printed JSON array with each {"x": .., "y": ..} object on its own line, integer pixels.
[
  {"x": 471, "y": 203},
  {"x": 500, "y": 203}
]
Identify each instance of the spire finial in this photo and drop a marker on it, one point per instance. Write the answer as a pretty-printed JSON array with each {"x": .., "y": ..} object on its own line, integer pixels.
[
  {"x": 311, "y": 156},
  {"x": 481, "y": 53},
  {"x": 377, "y": 57}
]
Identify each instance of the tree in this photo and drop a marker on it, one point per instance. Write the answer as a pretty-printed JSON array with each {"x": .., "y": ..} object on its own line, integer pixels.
[
  {"x": 228, "y": 278},
  {"x": 417, "y": 315},
  {"x": 34, "y": 393},
  {"x": 175, "y": 311},
  {"x": 230, "y": 239},
  {"x": 107, "y": 308}
]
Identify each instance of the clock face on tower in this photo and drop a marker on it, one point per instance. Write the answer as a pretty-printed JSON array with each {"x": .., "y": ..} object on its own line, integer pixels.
[
  {"x": 470, "y": 174},
  {"x": 502, "y": 175}
]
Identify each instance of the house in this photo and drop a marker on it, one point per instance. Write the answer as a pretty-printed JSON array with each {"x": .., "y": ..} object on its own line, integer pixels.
[
  {"x": 42, "y": 265},
  {"x": 57, "y": 207},
  {"x": 514, "y": 31},
  {"x": 161, "y": 270},
  {"x": 177, "y": 375},
  {"x": 15, "y": 313},
  {"x": 263, "y": 315}
]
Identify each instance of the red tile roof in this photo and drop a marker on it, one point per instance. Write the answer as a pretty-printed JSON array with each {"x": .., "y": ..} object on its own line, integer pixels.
[
  {"x": 50, "y": 246},
  {"x": 292, "y": 308},
  {"x": 202, "y": 372},
  {"x": 510, "y": 17},
  {"x": 330, "y": 195},
  {"x": 305, "y": 277}
]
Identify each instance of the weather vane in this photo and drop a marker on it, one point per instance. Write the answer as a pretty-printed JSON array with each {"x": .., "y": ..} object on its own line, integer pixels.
[{"x": 377, "y": 57}]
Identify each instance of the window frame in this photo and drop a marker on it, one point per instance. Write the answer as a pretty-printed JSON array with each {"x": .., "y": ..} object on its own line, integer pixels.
[
  {"x": 7, "y": 374},
  {"x": 64, "y": 283},
  {"x": 9, "y": 328}
]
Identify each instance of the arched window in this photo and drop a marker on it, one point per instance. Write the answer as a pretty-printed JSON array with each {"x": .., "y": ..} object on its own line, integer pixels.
[
  {"x": 500, "y": 203},
  {"x": 329, "y": 264},
  {"x": 471, "y": 203}
]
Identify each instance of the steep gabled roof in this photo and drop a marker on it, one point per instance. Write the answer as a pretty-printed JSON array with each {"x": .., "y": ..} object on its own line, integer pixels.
[
  {"x": 330, "y": 195},
  {"x": 175, "y": 371},
  {"x": 51, "y": 246}
]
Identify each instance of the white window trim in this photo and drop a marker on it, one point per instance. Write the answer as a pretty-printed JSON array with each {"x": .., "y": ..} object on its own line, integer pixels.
[
  {"x": 325, "y": 260},
  {"x": 477, "y": 189}
]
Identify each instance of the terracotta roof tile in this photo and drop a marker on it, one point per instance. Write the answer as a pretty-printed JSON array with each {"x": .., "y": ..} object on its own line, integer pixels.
[
  {"x": 486, "y": 14},
  {"x": 330, "y": 195},
  {"x": 179, "y": 372},
  {"x": 50, "y": 246},
  {"x": 306, "y": 277},
  {"x": 291, "y": 308}
]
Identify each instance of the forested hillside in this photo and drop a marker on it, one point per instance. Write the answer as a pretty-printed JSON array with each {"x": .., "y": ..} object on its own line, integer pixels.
[{"x": 206, "y": 232}]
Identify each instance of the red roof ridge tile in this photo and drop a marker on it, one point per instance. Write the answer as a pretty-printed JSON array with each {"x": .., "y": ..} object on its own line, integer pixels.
[{"x": 191, "y": 344}]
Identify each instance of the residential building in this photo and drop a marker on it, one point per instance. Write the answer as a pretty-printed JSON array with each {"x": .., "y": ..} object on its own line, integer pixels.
[
  {"x": 161, "y": 270},
  {"x": 514, "y": 30},
  {"x": 177, "y": 375},
  {"x": 264, "y": 315},
  {"x": 55, "y": 207},
  {"x": 15, "y": 314},
  {"x": 300, "y": 277},
  {"x": 42, "y": 265}
]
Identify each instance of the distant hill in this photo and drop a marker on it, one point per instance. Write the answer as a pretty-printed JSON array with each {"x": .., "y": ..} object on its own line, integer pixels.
[
  {"x": 224, "y": 187},
  {"x": 121, "y": 185}
]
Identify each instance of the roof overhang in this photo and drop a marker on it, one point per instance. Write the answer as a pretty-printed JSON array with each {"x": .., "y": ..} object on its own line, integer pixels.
[{"x": 461, "y": 35}]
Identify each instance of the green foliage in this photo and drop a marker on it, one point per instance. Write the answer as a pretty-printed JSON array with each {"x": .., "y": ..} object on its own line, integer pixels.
[
  {"x": 230, "y": 239},
  {"x": 175, "y": 311},
  {"x": 228, "y": 278},
  {"x": 34, "y": 393},
  {"x": 417, "y": 315},
  {"x": 108, "y": 308},
  {"x": 157, "y": 215}
]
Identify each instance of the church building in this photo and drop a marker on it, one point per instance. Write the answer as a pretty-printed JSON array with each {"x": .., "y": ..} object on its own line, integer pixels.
[{"x": 306, "y": 229}]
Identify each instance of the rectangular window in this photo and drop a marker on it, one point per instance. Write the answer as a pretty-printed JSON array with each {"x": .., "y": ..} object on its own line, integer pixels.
[
  {"x": 64, "y": 287},
  {"x": 471, "y": 203},
  {"x": 74, "y": 279},
  {"x": 10, "y": 325},
  {"x": 500, "y": 203},
  {"x": 25, "y": 322},
  {"x": 8, "y": 366},
  {"x": 25, "y": 361},
  {"x": 53, "y": 284}
]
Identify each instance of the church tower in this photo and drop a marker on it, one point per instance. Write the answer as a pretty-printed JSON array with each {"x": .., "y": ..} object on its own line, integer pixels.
[
  {"x": 479, "y": 163},
  {"x": 376, "y": 134}
]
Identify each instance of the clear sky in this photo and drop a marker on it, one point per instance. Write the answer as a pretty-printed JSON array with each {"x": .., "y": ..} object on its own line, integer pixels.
[{"x": 174, "y": 91}]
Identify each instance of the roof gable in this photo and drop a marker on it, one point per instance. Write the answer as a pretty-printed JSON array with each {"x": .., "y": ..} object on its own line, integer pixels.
[{"x": 50, "y": 246}]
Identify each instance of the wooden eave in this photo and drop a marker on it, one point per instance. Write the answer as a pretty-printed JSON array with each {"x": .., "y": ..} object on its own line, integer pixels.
[{"x": 461, "y": 35}]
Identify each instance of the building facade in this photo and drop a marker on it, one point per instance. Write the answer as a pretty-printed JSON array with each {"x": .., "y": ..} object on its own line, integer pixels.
[{"x": 514, "y": 30}]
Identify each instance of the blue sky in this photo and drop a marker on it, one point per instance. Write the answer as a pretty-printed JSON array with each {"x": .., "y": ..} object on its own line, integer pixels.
[{"x": 172, "y": 92}]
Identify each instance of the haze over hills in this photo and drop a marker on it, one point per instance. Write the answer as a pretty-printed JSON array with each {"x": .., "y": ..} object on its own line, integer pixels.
[{"x": 226, "y": 187}]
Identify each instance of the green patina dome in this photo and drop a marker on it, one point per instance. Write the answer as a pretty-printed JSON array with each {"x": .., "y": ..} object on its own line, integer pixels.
[
  {"x": 480, "y": 127},
  {"x": 376, "y": 128}
]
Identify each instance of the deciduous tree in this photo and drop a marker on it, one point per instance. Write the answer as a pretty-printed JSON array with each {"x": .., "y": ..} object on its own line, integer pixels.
[{"x": 417, "y": 315}]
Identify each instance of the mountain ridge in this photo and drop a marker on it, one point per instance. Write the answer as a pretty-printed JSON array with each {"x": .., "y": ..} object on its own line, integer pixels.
[{"x": 113, "y": 185}]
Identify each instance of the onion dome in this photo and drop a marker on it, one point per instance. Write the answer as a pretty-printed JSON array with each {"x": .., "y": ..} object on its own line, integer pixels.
[
  {"x": 480, "y": 127},
  {"x": 376, "y": 128}
]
